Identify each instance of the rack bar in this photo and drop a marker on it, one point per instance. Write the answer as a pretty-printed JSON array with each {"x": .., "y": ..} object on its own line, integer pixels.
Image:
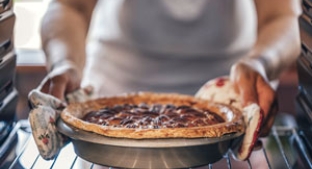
[
  {"x": 277, "y": 132},
  {"x": 266, "y": 157},
  {"x": 280, "y": 146},
  {"x": 301, "y": 147}
]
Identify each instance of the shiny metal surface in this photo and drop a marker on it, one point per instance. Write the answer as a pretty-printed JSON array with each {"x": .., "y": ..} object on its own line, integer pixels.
[{"x": 147, "y": 153}]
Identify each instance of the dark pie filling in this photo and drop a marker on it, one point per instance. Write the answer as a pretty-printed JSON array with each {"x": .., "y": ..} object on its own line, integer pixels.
[{"x": 152, "y": 116}]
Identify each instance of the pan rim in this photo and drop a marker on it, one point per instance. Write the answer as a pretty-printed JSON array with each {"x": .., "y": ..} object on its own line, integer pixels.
[{"x": 78, "y": 134}]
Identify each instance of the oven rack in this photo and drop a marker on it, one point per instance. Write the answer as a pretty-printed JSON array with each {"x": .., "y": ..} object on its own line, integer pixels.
[{"x": 285, "y": 147}]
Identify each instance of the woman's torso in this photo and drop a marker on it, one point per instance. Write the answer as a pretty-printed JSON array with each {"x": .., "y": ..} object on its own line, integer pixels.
[{"x": 166, "y": 46}]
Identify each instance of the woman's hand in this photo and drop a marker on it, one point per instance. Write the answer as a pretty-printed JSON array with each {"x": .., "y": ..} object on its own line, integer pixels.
[
  {"x": 251, "y": 83},
  {"x": 61, "y": 80}
]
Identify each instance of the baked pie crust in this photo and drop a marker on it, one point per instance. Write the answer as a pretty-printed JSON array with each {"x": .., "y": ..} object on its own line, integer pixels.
[{"x": 76, "y": 115}]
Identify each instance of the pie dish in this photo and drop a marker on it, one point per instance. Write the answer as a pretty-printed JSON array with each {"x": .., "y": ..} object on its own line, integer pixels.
[
  {"x": 178, "y": 116},
  {"x": 147, "y": 153}
]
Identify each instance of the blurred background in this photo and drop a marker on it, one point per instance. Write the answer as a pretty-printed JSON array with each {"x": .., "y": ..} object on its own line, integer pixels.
[{"x": 30, "y": 58}]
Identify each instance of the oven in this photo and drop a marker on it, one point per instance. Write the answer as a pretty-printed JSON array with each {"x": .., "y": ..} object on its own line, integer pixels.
[
  {"x": 8, "y": 93},
  {"x": 289, "y": 144}
]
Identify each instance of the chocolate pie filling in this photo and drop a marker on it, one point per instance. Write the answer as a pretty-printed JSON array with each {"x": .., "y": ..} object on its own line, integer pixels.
[{"x": 154, "y": 116}]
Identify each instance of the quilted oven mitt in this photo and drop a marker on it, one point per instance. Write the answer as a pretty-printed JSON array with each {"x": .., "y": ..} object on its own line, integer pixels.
[
  {"x": 45, "y": 110},
  {"x": 221, "y": 90}
]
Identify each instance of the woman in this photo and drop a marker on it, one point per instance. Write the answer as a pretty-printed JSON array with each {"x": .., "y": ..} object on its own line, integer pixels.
[{"x": 170, "y": 46}]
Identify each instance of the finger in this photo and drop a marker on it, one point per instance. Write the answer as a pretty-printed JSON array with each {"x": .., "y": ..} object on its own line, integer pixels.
[
  {"x": 58, "y": 87},
  {"x": 244, "y": 80},
  {"x": 268, "y": 123},
  {"x": 72, "y": 81},
  {"x": 88, "y": 89},
  {"x": 234, "y": 77},
  {"x": 247, "y": 89},
  {"x": 248, "y": 93},
  {"x": 266, "y": 95},
  {"x": 72, "y": 86},
  {"x": 268, "y": 103},
  {"x": 44, "y": 86}
]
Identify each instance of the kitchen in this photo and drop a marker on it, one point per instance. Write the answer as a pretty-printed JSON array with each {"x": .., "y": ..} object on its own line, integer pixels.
[{"x": 288, "y": 145}]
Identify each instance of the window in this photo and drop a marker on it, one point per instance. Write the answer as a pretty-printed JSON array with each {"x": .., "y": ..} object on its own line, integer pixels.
[{"x": 27, "y": 25}]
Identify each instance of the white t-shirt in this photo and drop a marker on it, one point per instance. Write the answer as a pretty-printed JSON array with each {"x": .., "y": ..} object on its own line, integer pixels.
[{"x": 166, "y": 45}]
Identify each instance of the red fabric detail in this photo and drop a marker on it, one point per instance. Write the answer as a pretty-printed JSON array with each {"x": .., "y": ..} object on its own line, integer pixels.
[
  {"x": 45, "y": 141},
  {"x": 51, "y": 120},
  {"x": 220, "y": 82}
]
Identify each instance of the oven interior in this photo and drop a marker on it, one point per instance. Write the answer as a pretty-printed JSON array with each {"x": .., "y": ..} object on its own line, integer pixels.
[{"x": 289, "y": 145}]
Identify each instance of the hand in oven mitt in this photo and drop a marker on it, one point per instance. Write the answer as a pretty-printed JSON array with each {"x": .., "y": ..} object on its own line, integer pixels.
[
  {"x": 221, "y": 90},
  {"x": 45, "y": 110}
]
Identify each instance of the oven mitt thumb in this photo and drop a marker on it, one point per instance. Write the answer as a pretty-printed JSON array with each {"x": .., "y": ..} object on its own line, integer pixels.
[
  {"x": 220, "y": 90},
  {"x": 45, "y": 110}
]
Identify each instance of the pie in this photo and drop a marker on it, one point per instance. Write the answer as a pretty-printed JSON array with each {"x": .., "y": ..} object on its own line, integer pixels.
[{"x": 145, "y": 115}]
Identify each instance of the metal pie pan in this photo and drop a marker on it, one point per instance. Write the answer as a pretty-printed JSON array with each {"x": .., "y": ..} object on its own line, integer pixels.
[{"x": 147, "y": 153}]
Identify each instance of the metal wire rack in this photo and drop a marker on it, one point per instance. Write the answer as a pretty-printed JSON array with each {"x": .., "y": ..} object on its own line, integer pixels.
[{"x": 285, "y": 147}]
